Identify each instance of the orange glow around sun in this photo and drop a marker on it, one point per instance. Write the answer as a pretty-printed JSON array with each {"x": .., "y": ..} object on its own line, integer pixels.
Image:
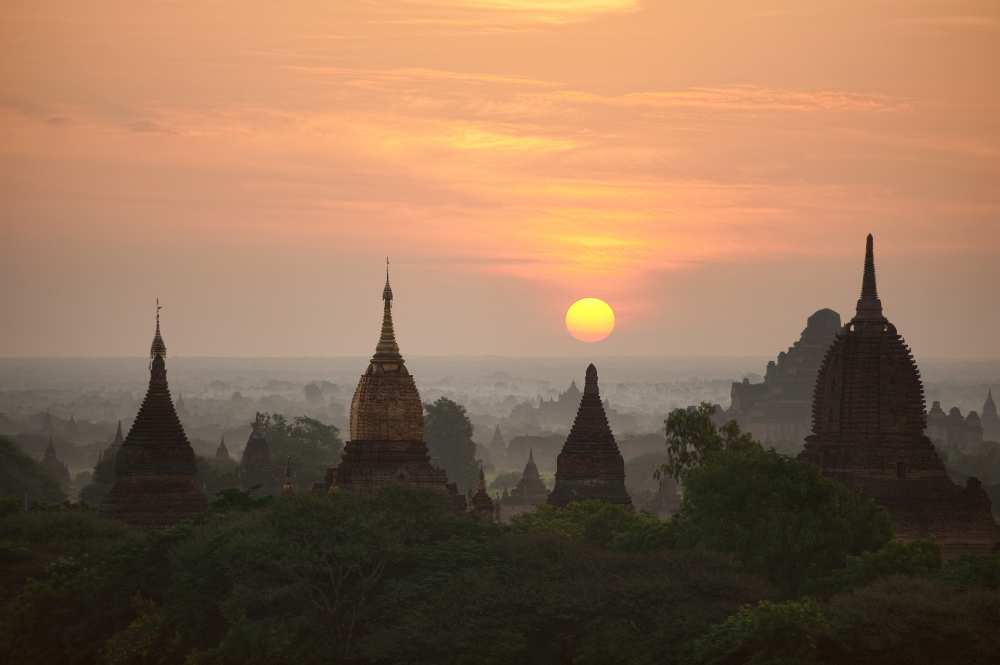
[{"x": 590, "y": 320}]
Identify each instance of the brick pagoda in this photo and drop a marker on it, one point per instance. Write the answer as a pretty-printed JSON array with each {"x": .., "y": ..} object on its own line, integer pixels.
[
  {"x": 590, "y": 465},
  {"x": 155, "y": 483},
  {"x": 868, "y": 432}
]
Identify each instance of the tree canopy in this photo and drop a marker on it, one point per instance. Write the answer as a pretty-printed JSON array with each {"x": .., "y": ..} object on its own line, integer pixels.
[
  {"x": 448, "y": 431},
  {"x": 779, "y": 517},
  {"x": 23, "y": 478}
]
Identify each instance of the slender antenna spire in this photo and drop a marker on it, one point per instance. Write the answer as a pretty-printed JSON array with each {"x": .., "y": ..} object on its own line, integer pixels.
[
  {"x": 869, "y": 305},
  {"x": 158, "y": 348}
]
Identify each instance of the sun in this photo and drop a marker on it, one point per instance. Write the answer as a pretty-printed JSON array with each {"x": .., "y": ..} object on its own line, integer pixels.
[{"x": 590, "y": 319}]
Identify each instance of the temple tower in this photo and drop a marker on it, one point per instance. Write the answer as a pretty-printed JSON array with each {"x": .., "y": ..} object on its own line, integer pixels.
[
  {"x": 590, "y": 465},
  {"x": 222, "y": 452},
  {"x": 868, "y": 432},
  {"x": 155, "y": 482},
  {"x": 990, "y": 419},
  {"x": 255, "y": 463},
  {"x": 387, "y": 444},
  {"x": 480, "y": 504},
  {"x": 54, "y": 466},
  {"x": 529, "y": 493},
  {"x": 778, "y": 411}
]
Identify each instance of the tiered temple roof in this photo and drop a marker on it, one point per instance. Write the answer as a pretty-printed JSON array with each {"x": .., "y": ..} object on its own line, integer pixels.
[
  {"x": 256, "y": 470},
  {"x": 530, "y": 489},
  {"x": 868, "y": 431},
  {"x": 222, "y": 452},
  {"x": 54, "y": 466},
  {"x": 590, "y": 465},
  {"x": 480, "y": 504},
  {"x": 155, "y": 466},
  {"x": 990, "y": 419},
  {"x": 777, "y": 411},
  {"x": 387, "y": 424}
]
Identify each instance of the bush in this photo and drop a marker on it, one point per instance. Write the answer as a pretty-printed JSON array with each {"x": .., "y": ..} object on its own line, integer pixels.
[
  {"x": 597, "y": 523},
  {"x": 779, "y": 517}
]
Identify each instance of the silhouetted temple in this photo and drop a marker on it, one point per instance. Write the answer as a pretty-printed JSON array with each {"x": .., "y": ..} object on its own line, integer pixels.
[
  {"x": 990, "y": 419},
  {"x": 155, "y": 469},
  {"x": 255, "y": 463},
  {"x": 954, "y": 432},
  {"x": 222, "y": 452},
  {"x": 590, "y": 465},
  {"x": 868, "y": 431},
  {"x": 54, "y": 466},
  {"x": 387, "y": 425},
  {"x": 778, "y": 410},
  {"x": 498, "y": 447},
  {"x": 529, "y": 493},
  {"x": 480, "y": 503}
]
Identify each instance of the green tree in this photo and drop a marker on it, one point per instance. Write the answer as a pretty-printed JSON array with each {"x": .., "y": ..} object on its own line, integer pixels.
[
  {"x": 448, "y": 431},
  {"x": 898, "y": 620},
  {"x": 921, "y": 558},
  {"x": 780, "y": 517},
  {"x": 598, "y": 523},
  {"x": 312, "y": 445},
  {"x": 692, "y": 437}
]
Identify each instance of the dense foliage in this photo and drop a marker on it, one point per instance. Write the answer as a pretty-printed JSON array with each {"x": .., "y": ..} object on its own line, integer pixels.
[
  {"x": 23, "y": 478},
  {"x": 448, "y": 431},
  {"x": 310, "y": 579},
  {"x": 766, "y": 563},
  {"x": 778, "y": 517},
  {"x": 311, "y": 445}
]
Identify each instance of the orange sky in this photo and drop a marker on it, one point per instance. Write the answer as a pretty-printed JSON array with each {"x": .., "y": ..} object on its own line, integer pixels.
[{"x": 709, "y": 169}]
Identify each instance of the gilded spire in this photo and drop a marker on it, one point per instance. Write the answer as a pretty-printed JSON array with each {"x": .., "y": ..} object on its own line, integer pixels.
[
  {"x": 869, "y": 305},
  {"x": 387, "y": 349}
]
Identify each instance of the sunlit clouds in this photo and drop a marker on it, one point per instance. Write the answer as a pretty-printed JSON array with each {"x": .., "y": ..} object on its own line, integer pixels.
[{"x": 544, "y": 148}]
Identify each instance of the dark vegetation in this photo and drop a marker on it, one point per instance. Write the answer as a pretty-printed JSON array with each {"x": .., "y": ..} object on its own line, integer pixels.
[
  {"x": 448, "y": 432},
  {"x": 767, "y": 562},
  {"x": 23, "y": 479}
]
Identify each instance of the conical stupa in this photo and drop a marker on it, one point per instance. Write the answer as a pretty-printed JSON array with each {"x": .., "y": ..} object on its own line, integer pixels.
[
  {"x": 590, "y": 466},
  {"x": 155, "y": 472}
]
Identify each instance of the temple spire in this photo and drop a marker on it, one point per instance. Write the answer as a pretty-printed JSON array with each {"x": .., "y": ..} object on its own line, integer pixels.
[
  {"x": 869, "y": 305},
  {"x": 590, "y": 387},
  {"x": 119, "y": 439},
  {"x": 387, "y": 348}
]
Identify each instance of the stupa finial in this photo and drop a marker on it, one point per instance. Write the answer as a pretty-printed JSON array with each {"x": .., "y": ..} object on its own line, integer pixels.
[
  {"x": 387, "y": 348},
  {"x": 869, "y": 305},
  {"x": 158, "y": 347}
]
